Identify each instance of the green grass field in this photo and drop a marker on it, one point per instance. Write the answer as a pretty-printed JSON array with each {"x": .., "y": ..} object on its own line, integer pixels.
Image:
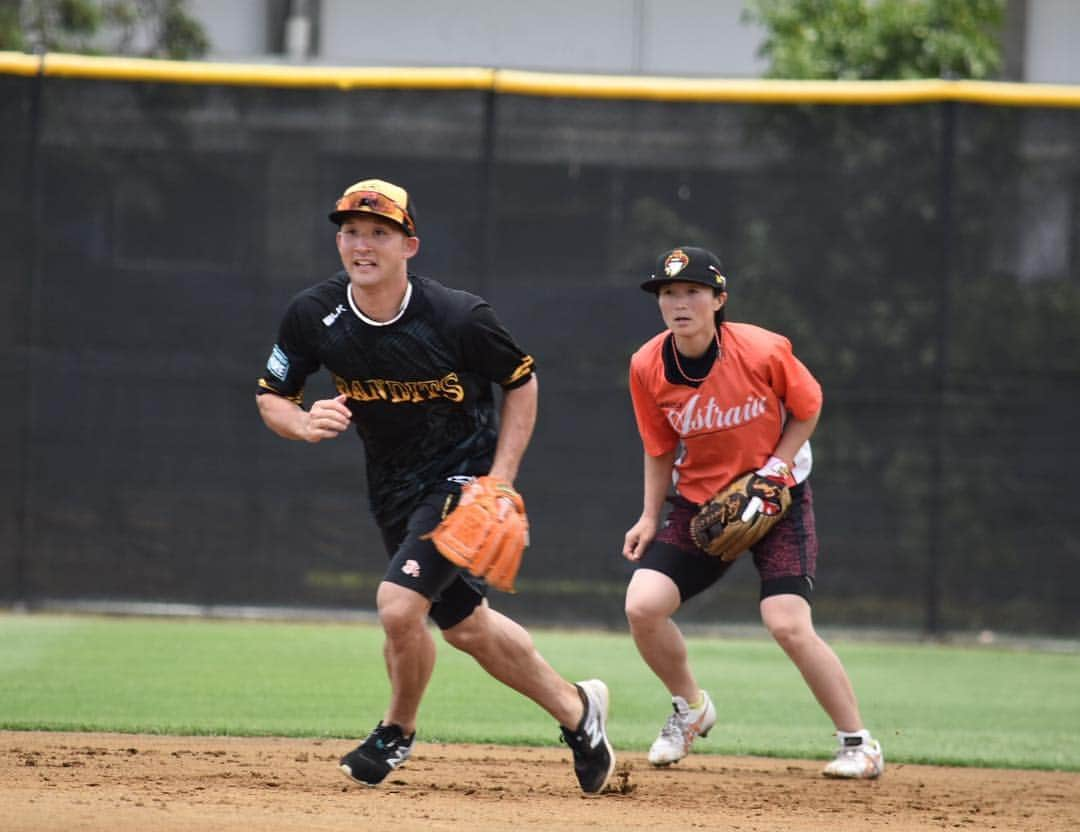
[{"x": 974, "y": 706}]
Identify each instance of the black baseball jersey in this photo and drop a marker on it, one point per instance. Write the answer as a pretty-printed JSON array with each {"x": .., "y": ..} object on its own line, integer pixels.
[{"x": 419, "y": 388}]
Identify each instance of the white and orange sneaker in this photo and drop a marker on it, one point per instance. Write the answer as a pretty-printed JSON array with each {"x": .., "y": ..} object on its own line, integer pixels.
[
  {"x": 681, "y": 729},
  {"x": 859, "y": 757}
]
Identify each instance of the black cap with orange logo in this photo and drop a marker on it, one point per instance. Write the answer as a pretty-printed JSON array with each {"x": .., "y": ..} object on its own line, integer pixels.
[{"x": 687, "y": 263}]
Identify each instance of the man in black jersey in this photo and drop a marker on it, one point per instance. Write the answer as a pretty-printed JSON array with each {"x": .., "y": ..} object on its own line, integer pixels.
[{"x": 414, "y": 364}]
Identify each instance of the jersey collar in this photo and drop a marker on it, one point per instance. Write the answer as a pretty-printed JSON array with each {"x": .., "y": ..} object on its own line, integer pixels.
[{"x": 369, "y": 321}]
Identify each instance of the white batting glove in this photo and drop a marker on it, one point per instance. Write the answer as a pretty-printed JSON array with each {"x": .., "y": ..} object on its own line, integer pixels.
[{"x": 777, "y": 470}]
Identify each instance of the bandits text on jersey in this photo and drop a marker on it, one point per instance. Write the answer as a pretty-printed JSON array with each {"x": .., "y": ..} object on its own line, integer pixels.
[{"x": 401, "y": 392}]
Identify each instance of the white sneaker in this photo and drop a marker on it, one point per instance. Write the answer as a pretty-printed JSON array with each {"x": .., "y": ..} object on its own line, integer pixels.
[
  {"x": 865, "y": 760},
  {"x": 680, "y": 730}
]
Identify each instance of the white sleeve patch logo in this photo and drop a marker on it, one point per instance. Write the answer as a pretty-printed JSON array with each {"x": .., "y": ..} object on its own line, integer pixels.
[{"x": 278, "y": 364}]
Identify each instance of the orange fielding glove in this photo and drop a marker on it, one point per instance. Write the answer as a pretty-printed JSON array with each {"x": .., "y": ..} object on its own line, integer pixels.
[{"x": 484, "y": 536}]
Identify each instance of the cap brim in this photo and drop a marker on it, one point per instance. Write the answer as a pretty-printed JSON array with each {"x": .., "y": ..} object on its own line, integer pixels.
[
  {"x": 653, "y": 284},
  {"x": 338, "y": 217}
]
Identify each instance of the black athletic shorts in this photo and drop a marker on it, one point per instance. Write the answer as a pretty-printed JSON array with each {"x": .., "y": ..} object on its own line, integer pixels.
[{"x": 417, "y": 565}]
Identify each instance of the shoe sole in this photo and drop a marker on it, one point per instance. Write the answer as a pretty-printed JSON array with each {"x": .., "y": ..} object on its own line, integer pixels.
[
  {"x": 833, "y": 776},
  {"x": 345, "y": 770},
  {"x": 872, "y": 775},
  {"x": 705, "y": 733},
  {"x": 600, "y": 690}
]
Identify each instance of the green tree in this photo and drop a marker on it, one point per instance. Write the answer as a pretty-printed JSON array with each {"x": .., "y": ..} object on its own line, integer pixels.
[
  {"x": 11, "y": 35},
  {"x": 146, "y": 28},
  {"x": 880, "y": 39}
]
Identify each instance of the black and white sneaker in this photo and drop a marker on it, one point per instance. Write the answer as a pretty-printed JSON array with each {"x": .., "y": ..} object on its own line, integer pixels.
[
  {"x": 594, "y": 761},
  {"x": 385, "y": 749}
]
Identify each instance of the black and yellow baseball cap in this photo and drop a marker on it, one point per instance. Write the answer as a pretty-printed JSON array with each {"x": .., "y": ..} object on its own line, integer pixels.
[
  {"x": 376, "y": 196},
  {"x": 687, "y": 263}
]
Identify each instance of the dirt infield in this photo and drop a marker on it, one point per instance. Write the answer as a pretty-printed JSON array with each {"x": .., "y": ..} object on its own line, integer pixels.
[{"x": 121, "y": 783}]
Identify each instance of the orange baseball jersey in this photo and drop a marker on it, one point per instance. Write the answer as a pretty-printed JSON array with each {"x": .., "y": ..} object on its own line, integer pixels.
[{"x": 731, "y": 422}]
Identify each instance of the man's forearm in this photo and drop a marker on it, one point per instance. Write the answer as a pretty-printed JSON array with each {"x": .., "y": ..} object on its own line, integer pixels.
[
  {"x": 516, "y": 423},
  {"x": 283, "y": 416}
]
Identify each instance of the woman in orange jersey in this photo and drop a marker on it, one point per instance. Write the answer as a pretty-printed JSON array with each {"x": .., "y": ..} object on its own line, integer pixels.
[{"x": 713, "y": 400}]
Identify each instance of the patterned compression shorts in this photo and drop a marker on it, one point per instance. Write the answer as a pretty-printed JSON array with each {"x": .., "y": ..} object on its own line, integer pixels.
[{"x": 786, "y": 558}]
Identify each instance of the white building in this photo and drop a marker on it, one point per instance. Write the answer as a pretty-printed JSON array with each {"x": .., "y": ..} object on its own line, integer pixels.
[{"x": 622, "y": 37}]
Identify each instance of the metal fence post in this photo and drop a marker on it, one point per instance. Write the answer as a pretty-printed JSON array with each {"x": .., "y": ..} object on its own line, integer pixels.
[
  {"x": 32, "y": 277},
  {"x": 938, "y": 492},
  {"x": 489, "y": 188}
]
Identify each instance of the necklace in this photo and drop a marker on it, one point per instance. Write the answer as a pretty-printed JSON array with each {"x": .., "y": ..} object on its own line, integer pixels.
[{"x": 682, "y": 372}]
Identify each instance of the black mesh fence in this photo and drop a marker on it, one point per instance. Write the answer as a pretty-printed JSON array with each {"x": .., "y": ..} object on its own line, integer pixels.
[{"x": 924, "y": 259}]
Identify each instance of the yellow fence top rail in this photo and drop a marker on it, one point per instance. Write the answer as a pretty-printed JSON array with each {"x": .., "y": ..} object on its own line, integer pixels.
[
  {"x": 542, "y": 84},
  {"x": 56, "y": 65},
  {"x": 766, "y": 91}
]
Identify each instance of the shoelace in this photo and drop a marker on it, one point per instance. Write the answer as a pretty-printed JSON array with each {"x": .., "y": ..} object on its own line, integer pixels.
[
  {"x": 385, "y": 737},
  {"x": 674, "y": 728}
]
